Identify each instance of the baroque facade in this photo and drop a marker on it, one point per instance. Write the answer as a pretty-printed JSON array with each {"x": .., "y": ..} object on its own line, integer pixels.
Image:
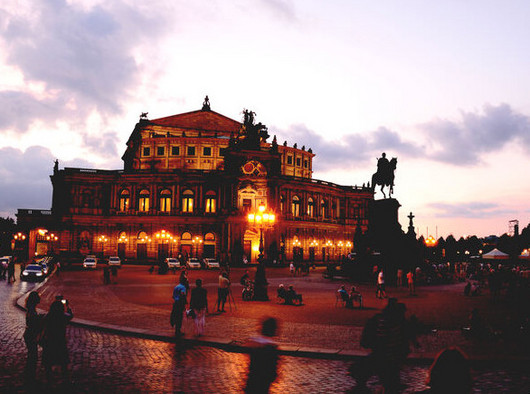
[{"x": 188, "y": 183}]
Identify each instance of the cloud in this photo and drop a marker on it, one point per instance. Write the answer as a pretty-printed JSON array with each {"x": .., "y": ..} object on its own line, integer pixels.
[
  {"x": 283, "y": 9},
  {"x": 352, "y": 150},
  {"x": 84, "y": 57},
  {"x": 463, "y": 142},
  {"x": 104, "y": 144},
  {"x": 471, "y": 210}
]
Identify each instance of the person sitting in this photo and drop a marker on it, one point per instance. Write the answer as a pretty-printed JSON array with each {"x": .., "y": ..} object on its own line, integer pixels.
[
  {"x": 354, "y": 296},
  {"x": 292, "y": 296},
  {"x": 282, "y": 293}
]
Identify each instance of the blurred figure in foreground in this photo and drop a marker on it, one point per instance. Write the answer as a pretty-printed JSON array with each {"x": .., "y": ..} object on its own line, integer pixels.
[
  {"x": 32, "y": 334},
  {"x": 449, "y": 373},
  {"x": 263, "y": 359}
]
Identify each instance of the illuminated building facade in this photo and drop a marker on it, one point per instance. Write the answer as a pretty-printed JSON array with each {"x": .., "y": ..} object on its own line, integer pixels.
[{"x": 188, "y": 184}]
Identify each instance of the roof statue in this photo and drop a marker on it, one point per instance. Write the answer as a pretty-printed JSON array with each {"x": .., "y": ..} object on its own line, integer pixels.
[
  {"x": 252, "y": 134},
  {"x": 385, "y": 174},
  {"x": 206, "y": 104},
  {"x": 143, "y": 115}
]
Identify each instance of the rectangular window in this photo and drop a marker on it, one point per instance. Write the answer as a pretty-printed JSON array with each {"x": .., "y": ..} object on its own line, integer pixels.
[
  {"x": 146, "y": 151},
  {"x": 175, "y": 150},
  {"x": 207, "y": 151},
  {"x": 165, "y": 204},
  {"x": 247, "y": 204},
  {"x": 187, "y": 204},
  {"x": 305, "y": 163},
  {"x": 143, "y": 204},
  {"x": 191, "y": 151},
  {"x": 289, "y": 160},
  {"x": 298, "y": 162},
  {"x": 160, "y": 151},
  {"x": 124, "y": 203}
]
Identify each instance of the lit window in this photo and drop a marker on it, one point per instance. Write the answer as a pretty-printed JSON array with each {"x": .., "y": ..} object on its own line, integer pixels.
[
  {"x": 124, "y": 200},
  {"x": 296, "y": 206},
  {"x": 310, "y": 207},
  {"x": 282, "y": 203},
  {"x": 187, "y": 201},
  {"x": 323, "y": 207},
  {"x": 165, "y": 200},
  {"x": 143, "y": 201},
  {"x": 210, "y": 206}
]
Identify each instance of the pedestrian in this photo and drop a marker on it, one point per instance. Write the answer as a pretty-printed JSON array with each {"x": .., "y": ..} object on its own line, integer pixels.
[
  {"x": 380, "y": 292},
  {"x": 22, "y": 268},
  {"x": 399, "y": 281},
  {"x": 106, "y": 275},
  {"x": 262, "y": 370},
  {"x": 449, "y": 373},
  {"x": 114, "y": 272},
  {"x": 199, "y": 304},
  {"x": 32, "y": 334},
  {"x": 58, "y": 269},
  {"x": 11, "y": 271},
  {"x": 184, "y": 279},
  {"x": 54, "y": 347},
  {"x": 222, "y": 291},
  {"x": 291, "y": 268},
  {"x": 179, "y": 304},
  {"x": 410, "y": 282},
  {"x": 386, "y": 335}
]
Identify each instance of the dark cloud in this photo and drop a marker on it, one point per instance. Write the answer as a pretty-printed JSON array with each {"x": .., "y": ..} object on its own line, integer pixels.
[
  {"x": 352, "y": 150},
  {"x": 463, "y": 142},
  {"x": 472, "y": 210},
  {"x": 19, "y": 109},
  {"x": 84, "y": 56}
]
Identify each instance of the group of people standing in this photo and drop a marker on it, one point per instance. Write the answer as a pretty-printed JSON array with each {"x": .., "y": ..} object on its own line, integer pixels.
[
  {"x": 7, "y": 270},
  {"x": 49, "y": 332}
]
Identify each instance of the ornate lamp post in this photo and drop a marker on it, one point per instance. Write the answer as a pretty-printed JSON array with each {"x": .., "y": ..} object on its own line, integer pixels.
[
  {"x": 262, "y": 219},
  {"x": 102, "y": 239}
]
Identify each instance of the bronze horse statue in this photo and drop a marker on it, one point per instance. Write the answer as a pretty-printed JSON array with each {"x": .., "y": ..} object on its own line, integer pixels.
[{"x": 385, "y": 179}]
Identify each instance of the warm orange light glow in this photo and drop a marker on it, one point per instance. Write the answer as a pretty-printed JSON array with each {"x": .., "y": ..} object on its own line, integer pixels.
[{"x": 261, "y": 208}]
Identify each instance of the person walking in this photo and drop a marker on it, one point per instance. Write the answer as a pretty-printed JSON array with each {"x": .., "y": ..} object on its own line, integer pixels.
[
  {"x": 262, "y": 371},
  {"x": 410, "y": 282},
  {"x": 179, "y": 304},
  {"x": 380, "y": 292},
  {"x": 54, "y": 347},
  {"x": 222, "y": 291},
  {"x": 11, "y": 271},
  {"x": 199, "y": 304},
  {"x": 399, "y": 281},
  {"x": 387, "y": 336},
  {"x": 32, "y": 334}
]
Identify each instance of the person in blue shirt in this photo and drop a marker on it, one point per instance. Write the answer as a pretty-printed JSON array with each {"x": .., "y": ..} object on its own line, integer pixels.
[{"x": 179, "y": 304}]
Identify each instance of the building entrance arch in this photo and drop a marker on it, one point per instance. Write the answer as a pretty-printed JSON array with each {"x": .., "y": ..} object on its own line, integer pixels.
[{"x": 251, "y": 245}]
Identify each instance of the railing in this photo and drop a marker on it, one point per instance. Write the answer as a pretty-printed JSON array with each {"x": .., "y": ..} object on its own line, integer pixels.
[{"x": 34, "y": 212}]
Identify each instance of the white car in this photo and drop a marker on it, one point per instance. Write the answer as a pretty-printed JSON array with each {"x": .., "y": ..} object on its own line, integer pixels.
[
  {"x": 90, "y": 262},
  {"x": 193, "y": 263},
  {"x": 114, "y": 260},
  {"x": 211, "y": 263},
  {"x": 172, "y": 263}
]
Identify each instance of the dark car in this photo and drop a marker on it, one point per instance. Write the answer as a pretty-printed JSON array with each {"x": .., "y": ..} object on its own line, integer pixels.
[{"x": 33, "y": 272}]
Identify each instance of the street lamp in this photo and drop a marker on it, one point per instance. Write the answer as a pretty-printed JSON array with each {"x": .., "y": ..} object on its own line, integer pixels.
[
  {"x": 197, "y": 241},
  {"x": 103, "y": 240},
  {"x": 262, "y": 219}
]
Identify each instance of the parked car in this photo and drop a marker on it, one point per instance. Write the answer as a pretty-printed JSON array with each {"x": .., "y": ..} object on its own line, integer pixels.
[
  {"x": 5, "y": 260},
  {"x": 193, "y": 263},
  {"x": 172, "y": 263},
  {"x": 33, "y": 272},
  {"x": 90, "y": 262},
  {"x": 211, "y": 263},
  {"x": 114, "y": 260}
]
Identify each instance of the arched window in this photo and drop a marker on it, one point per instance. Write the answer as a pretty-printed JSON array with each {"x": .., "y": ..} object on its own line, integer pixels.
[
  {"x": 165, "y": 200},
  {"x": 187, "y": 201},
  {"x": 209, "y": 237},
  {"x": 210, "y": 203},
  {"x": 143, "y": 200},
  {"x": 310, "y": 207},
  {"x": 186, "y": 236},
  {"x": 323, "y": 208},
  {"x": 122, "y": 237},
  {"x": 124, "y": 200},
  {"x": 142, "y": 236},
  {"x": 295, "y": 206}
]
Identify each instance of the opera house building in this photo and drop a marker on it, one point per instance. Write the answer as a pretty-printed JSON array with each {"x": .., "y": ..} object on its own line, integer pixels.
[{"x": 200, "y": 184}]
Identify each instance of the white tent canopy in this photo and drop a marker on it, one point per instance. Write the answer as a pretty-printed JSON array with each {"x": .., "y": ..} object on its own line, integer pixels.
[{"x": 496, "y": 254}]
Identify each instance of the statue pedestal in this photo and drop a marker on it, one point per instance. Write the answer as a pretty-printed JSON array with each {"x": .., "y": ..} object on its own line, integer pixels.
[{"x": 383, "y": 225}]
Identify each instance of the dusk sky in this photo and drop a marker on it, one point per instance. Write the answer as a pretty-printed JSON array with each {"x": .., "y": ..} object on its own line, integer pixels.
[{"x": 442, "y": 86}]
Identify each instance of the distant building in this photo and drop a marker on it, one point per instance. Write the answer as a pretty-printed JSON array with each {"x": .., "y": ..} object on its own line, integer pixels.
[{"x": 188, "y": 183}]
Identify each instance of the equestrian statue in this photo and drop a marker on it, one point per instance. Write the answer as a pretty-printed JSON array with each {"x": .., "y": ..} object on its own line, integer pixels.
[{"x": 385, "y": 174}]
